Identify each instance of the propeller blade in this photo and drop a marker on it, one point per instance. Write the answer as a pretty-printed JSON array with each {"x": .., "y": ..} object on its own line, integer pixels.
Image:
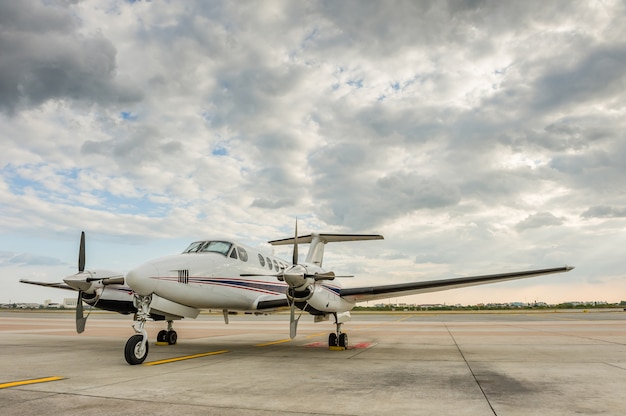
[
  {"x": 294, "y": 259},
  {"x": 80, "y": 319},
  {"x": 81, "y": 253},
  {"x": 293, "y": 322}
]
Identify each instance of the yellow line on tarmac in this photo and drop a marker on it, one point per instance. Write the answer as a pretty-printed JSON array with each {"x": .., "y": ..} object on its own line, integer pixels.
[
  {"x": 273, "y": 343},
  {"x": 316, "y": 335},
  {"x": 185, "y": 357},
  {"x": 282, "y": 341},
  {"x": 26, "y": 382}
]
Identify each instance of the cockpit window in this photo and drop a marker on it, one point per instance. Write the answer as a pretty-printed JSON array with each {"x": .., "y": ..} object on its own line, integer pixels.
[
  {"x": 243, "y": 254},
  {"x": 221, "y": 247},
  {"x": 193, "y": 247}
]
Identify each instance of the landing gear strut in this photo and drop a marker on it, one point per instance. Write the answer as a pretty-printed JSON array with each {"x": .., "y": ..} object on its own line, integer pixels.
[
  {"x": 338, "y": 339},
  {"x": 170, "y": 336},
  {"x": 136, "y": 349}
]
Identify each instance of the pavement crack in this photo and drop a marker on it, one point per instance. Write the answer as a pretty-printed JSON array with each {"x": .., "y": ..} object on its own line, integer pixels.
[{"x": 469, "y": 367}]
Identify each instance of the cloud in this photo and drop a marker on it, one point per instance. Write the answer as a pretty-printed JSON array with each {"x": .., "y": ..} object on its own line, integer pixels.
[
  {"x": 540, "y": 219},
  {"x": 45, "y": 57},
  {"x": 27, "y": 259},
  {"x": 454, "y": 128},
  {"x": 597, "y": 76},
  {"x": 603, "y": 211}
]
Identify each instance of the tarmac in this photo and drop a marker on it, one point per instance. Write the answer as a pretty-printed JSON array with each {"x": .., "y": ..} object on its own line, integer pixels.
[{"x": 524, "y": 363}]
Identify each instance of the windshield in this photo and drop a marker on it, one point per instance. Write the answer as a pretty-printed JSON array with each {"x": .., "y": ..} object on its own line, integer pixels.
[
  {"x": 193, "y": 247},
  {"x": 222, "y": 247}
]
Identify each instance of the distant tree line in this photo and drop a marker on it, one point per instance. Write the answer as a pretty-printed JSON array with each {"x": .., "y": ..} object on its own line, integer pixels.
[{"x": 531, "y": 306}]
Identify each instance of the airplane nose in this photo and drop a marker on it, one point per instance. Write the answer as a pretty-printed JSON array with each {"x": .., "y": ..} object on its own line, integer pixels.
[{"x": 141, "y": 279}]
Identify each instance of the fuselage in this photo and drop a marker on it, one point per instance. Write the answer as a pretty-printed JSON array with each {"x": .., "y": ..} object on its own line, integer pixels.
[{"x": 208, "y": 275}]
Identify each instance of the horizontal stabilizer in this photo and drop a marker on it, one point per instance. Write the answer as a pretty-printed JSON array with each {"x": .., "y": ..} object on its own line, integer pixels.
[
  {"x": 326, "y": 238},
  {"x": 318, "y": 241}
]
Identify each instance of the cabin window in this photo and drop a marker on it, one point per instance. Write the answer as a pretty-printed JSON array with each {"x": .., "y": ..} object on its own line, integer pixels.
[
  {"x": 275, "y": 265},
  {"x": 243, "y": 254},
  {"x": 269, "y": 263},
  {"x": 261, "y": 260}
]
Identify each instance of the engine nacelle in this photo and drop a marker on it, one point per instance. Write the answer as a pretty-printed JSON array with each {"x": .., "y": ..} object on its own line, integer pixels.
[
  {"x": 325, "y": 300},
  {"x": 296, "y": 295}
]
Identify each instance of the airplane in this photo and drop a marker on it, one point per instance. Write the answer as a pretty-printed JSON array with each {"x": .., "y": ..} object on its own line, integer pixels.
[{"x": 221, "y": 273}]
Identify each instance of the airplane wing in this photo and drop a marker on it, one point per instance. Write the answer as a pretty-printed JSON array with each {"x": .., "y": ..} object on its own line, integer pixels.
[
  {"x": 48, "y": 284},
  {"x": 362, "y": 294}
]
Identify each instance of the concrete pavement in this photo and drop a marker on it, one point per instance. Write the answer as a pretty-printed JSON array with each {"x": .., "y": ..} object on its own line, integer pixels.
[{"x": 404, "y": 364}]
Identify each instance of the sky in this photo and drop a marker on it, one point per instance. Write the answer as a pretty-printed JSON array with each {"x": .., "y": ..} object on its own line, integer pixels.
[{"x": 477, "y": 136}]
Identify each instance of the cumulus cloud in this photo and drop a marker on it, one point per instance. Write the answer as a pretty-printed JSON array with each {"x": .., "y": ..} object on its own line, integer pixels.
[
  {"x": 603, "y": 211},
  {"x": 27, "y": 259},
  {"x": 540, "y": 219},
  {"x": 45, "y": 57}
]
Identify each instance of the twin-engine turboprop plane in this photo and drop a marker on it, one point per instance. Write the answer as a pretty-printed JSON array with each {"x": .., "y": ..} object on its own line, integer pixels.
[{"x": 224, "y": 274}]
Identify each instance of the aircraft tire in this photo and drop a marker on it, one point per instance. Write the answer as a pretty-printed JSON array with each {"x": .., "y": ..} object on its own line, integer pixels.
[
  {"x": 332, "y": 339},
  {"x": 132, "y": 351},
  {"x": 171, "y": 337},
  {"x": 162, "y": 336},
  {"x": 343, "y": 340}
]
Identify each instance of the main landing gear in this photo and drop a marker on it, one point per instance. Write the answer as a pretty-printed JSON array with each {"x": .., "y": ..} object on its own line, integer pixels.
[
  {"x": 170, "y": 337},
  {"x": 338, "y": 339}
]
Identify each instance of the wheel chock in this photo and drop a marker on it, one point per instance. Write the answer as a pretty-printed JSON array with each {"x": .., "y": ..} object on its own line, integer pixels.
[{"x": 335, "y": 348}]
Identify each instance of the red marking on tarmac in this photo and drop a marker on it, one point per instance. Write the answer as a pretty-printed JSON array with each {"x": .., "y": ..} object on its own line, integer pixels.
[{"x": 360, "y": 345}]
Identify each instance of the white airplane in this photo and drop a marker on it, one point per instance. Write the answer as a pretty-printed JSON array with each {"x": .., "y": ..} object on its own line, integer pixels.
[{"x": 224, "y": 274}]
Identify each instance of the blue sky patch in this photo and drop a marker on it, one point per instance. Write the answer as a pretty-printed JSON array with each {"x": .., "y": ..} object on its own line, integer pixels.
[
  {"x": 219, "y": 151},
  {"x": 127, "y": 115}
]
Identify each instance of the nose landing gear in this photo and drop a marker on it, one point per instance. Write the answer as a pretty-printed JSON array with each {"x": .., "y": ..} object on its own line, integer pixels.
[{"x": 136, "y": 349}]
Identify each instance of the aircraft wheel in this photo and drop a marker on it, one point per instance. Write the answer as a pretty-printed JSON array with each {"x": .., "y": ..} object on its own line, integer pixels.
[
  {"x": 162, "y": 336},
  {"x": 133, "y": 352},
  {"x": 343, "y": 340},
  {"x": 171, "y": 337},
  {"x": 332, "y": 339}
]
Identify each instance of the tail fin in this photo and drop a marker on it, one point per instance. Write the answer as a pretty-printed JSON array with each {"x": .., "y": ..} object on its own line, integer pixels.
[{"x": 317, "y": 241}]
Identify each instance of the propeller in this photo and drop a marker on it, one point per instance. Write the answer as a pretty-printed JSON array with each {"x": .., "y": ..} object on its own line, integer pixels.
[
  {"x": 83, "y": 281},
  {"x": 293, "y": 321},
  {"x": 80, "y": 319},
  {"x": 300, "y": 280}
]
